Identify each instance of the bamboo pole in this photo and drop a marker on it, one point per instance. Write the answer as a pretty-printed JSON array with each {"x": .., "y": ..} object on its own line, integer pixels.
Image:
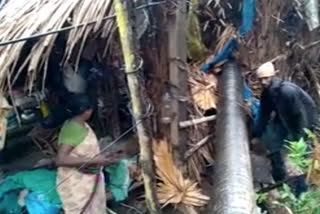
[
  {"x": 193, "y": 122},
  {"x": 129, "y": 47}
]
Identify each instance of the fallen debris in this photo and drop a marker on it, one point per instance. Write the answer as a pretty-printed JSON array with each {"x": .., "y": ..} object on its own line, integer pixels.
[
  {"x": 196, "y": 146},
  {"x": 185, "y": 124},
  {"x": 173, "y": 188}
]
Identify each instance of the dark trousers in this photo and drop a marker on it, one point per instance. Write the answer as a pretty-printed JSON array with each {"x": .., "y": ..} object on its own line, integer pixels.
[{"x": 274, "y": 138}]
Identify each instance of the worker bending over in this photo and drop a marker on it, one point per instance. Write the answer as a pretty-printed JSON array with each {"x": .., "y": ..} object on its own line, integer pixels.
[{"x": 285, "y": 111}]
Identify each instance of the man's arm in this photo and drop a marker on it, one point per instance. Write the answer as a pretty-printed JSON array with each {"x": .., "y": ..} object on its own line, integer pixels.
[{"x": 266, "y": 108}]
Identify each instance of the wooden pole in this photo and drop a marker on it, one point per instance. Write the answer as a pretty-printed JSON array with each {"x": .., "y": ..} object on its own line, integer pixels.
[
  {"x": 193, "y": 122},
  {"x": 129, "y": 47},
  {"x": 178, "y": 76}
]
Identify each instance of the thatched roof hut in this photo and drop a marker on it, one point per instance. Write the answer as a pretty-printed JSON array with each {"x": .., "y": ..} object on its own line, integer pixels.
[
  {"x": 26, "y": 19},
  {"x": 33, "y": 32}
]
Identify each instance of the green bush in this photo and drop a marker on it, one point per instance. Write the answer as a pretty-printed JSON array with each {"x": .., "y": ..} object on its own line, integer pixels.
[{"x": 306, "y": 203}]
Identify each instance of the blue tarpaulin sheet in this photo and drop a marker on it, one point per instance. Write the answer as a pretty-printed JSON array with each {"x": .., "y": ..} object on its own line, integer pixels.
[
  {"x": 41, "y": 184},
  {"x": 248, "y": 11}
]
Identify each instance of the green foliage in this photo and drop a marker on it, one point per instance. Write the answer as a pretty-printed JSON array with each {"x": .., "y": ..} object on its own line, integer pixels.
[
  {"x": 310, "y": 134},
  {"x": 307, "y": 203},
  {"x": 297, "y": 152},
  {"x": 195, "y": 46},
  {"x": 261, "y": 197}
]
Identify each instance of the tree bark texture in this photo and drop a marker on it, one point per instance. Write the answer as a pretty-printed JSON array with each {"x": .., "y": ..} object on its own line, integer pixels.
[{"x": 138, "y": 97}]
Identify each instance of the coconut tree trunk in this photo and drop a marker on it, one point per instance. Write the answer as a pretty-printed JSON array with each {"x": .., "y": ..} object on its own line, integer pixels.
[
  {"x": 138, "y": 97},
  {"x": 233, "y": 186},
  {"x": 178, "y": 76}
]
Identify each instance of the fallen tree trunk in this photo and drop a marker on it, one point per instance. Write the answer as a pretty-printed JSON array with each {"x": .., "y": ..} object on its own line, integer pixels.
[
  {"x": 138, "y": 100},
  {"x": 233, "y": 185}
]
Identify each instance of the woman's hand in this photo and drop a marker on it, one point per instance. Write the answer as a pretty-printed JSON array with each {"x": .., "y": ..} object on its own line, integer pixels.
[
  {"x": 64, "y": 159},
  {"x": 103, "y": 160}
]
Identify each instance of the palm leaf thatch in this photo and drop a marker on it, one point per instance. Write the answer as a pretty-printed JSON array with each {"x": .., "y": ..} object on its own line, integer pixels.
[
  {"x": 173, "y": 188},
  {"x": 19, "y": 19}
]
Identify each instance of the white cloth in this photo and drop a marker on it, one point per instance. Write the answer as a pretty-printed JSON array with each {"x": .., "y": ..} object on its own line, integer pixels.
[{"x": 266, "y": 70}]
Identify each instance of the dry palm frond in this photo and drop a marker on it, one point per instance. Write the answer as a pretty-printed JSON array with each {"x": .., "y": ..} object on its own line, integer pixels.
[
  {"x": 314, "y": 171},
  {"x": 225, "y": 36},
  {"x": 203, "y": 89},
  {"x": 203, "y": 95},
  {"x": 19, "y": 18},
  {"x": 197, "y": 162},
  {"x": 173, "y": 188}
]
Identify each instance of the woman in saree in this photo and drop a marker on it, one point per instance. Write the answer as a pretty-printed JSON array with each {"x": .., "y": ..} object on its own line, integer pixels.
[{"x": 81, "y": 189}]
